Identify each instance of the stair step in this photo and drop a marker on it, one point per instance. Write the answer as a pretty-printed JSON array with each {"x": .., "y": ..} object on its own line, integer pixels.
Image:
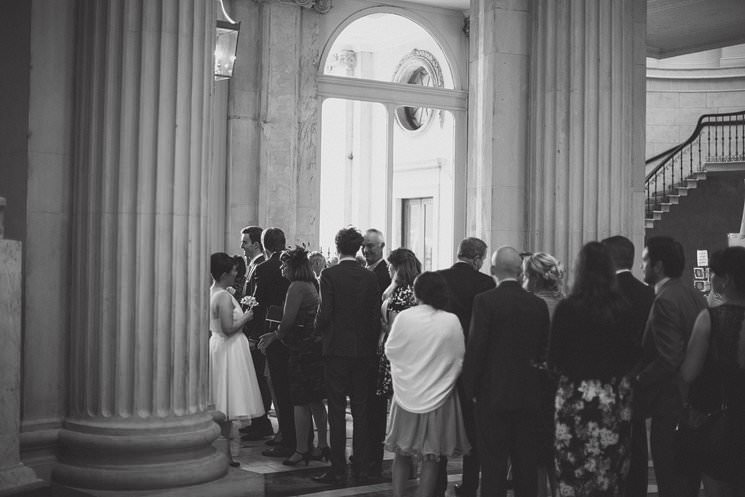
[
  {"x": 683, "y": 191},
  {"x": 691, "y": 183},
  {"x": 673, "y": 199},
  {"x": 665, "y": 206},
  {"x": 648, "y": 223},
  {"x": 657, "y": 215}
]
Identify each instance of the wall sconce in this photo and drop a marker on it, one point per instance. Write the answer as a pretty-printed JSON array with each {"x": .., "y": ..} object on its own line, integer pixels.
[{"x": 226, "y": 45}]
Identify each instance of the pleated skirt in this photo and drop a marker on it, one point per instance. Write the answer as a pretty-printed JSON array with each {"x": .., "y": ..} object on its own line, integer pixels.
[{"x": 429, "y": 435}]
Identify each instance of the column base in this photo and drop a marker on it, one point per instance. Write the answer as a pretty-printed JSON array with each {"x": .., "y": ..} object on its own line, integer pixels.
[
  {"x": 17, "y": 478},
  {"x": 139, "y": 454}
]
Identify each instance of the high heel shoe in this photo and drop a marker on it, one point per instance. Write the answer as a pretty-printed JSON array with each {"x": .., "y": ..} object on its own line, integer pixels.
[
  {"x": 324, "y": 455},
  {"x": 304, "y": 456}
]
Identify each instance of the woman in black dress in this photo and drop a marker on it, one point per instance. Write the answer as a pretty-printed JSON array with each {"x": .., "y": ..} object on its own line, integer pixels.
[
  {"x": 305, "y": 365},
  {"x": 715, "y": 367},
  {"x": 593, "y": 351}
]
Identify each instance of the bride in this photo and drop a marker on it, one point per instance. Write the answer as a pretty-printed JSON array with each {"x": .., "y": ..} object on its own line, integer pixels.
[{"x": 235, "y": 390}]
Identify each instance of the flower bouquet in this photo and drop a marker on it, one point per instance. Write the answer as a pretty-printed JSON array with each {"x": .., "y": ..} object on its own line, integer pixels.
[{"x": 249, "y": 302}]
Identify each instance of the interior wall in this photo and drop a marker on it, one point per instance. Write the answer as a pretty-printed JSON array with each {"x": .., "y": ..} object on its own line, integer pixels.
[
  {"x": 46, "y": 251},
  {"x": 15, "y": 61}
]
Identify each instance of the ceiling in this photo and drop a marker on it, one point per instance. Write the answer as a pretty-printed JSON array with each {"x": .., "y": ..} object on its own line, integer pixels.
[{"x": 674, "y": 27}]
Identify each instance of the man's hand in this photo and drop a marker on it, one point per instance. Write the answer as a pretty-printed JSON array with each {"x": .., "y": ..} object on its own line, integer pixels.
[{"x": 266, "y": 340}]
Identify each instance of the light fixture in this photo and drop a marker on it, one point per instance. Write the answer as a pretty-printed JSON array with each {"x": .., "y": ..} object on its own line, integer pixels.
[{"x": 226, "y": 44}]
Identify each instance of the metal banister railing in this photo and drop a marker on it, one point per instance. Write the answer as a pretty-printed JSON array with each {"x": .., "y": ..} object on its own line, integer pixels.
[{"x": 723, "y": 137}]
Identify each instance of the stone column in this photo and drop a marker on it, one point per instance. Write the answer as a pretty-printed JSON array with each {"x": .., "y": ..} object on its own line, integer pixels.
[
  {"x": 137, "y": 407},
  {"x": 13, "y": 474},
  {"x": 498, "y": 121},
  {"x": 586, "y": 162}
]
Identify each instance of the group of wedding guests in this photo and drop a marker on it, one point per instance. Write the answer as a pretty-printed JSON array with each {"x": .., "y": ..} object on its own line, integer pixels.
[{"x": 510, "y": 370}]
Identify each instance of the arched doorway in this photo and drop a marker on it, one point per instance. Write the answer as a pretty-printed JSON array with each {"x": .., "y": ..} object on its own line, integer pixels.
[{"x": 392, "y": 149}]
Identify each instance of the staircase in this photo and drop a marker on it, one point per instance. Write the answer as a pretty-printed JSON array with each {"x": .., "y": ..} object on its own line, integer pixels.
[{"x": 718, "y": 141}]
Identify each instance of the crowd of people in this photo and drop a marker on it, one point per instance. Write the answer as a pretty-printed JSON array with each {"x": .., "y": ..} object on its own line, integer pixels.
[{"x": 541, "y": 387}]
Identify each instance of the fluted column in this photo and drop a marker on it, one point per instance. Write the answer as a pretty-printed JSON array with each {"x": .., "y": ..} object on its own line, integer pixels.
[
  {"x": 138, "y": 353},
  {"x": 586, "y": 162}
]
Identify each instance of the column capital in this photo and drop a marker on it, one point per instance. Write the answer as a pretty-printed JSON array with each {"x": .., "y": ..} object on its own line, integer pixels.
[{"x": 320, "y": 6}]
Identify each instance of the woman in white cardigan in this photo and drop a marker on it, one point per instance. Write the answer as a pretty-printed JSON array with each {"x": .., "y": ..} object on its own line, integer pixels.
[{"x": 425, "y": 348}]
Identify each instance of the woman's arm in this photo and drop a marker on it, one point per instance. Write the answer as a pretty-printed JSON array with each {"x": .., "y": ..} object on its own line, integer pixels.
[
  {"x": 698, "y": 347},
  {"x": 225, "y": 313},
  {"x": 293, "y": 301}
]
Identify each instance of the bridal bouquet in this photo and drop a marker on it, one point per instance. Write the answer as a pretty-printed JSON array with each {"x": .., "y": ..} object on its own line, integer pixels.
[{"x": 249, "y": 301}]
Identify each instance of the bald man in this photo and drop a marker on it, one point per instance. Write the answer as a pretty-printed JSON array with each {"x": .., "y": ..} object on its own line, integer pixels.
[{"x": 507, "y": 338}]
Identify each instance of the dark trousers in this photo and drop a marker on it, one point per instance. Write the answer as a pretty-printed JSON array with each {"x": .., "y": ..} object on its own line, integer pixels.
[
  {"x": 277, "y": 356},
  {"x": 670, "y": 481},
  {"x": 377, "y": 418},
  {"x": 349, "y": 376},
  {"x": 503, "y": 436},
  {"x": 638, "y": 479}
]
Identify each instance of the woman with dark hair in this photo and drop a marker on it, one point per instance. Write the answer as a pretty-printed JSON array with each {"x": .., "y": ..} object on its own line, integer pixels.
[
  {"x": 239, "y": 287},
  {"x": 593, "y": 352},
  {"x": 715, "y": 367},
  {"x": 235, "y": 390},
  {"x": 403, "y": 267},
  {"x": 305, "y": 366},
  {"x": 543, "y": 276},
  {"x": 425, "y": 349}
]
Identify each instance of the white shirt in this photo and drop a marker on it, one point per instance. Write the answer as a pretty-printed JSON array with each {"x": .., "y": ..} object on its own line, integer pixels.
[{"x": 425, "y": 349}]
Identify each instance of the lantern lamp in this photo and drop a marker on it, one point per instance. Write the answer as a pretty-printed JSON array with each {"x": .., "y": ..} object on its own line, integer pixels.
[{"x": 226, "y": 45}]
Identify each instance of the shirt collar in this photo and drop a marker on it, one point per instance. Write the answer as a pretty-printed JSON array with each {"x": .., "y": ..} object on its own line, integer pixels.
[
  {"x": 505, "y": 280},
  {"x": 372, "y": 266},
  {"x": 253, "y": 261},
  {"x": 619, "y": 271},
  {"x": 658, "y": 286},
  {"x": 347, "y": 258}
]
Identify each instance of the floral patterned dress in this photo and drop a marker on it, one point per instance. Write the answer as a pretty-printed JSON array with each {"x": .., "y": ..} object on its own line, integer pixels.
[
  {"x": 401, "y": 298},
  {"x": 593, "y": 351},
  {"x": 593, "y": 433}
]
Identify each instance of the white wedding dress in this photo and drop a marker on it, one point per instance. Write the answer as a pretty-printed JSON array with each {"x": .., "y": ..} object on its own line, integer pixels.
[{"x": 235, "y": 390}]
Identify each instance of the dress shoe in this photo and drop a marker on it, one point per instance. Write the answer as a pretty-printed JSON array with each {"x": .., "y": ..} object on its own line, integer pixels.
[
  {"x": 277, "y": 451},
  {"x": 323, "y": 454},
  {"x": 274, "y": 441},
  {"x": 293, "y": 460},
  {"x": 328, "y": 477}
]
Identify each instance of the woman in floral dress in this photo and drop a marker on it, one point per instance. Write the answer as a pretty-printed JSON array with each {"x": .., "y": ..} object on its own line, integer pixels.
[
  {"x": 403, "y": 267},
  {"x": 593, "y": 352}
]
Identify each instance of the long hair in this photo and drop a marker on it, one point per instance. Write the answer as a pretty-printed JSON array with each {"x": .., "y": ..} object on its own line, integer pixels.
[
  {"x": 406, "y": 265},
  {"x": 595, "y": 285}
]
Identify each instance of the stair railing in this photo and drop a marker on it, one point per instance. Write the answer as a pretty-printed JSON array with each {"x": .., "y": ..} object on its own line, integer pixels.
[{"x": 716, "y": 138}]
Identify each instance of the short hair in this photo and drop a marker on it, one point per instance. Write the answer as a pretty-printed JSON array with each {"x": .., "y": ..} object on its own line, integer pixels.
[
  {"x": 730, "y": 262},
  {"x": 348, "y": 240},
  {"x": 240, "y": 262},
  {"x": 221, "y": 263},
  {"x": 621, "y": 250},
  {"x": 273, "y": 239},
  {"x": 377, "y": 232},
  {"x": 471, "y": 247},
  {"x": 406, "y": 265},
  {"x": 669, "y": 252},
  {"x": 316, "y": 255},
  {"x": 298, "y": 264},
  {"x": 431, "y": 289},
  {"x": 543, "y": 271},
  {"x": 253, "y": 232}
]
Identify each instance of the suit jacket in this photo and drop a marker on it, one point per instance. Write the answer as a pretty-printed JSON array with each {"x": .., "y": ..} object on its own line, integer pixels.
[
  {"x": 464, "y": 283},
  {"x": 270, "y": 289},
  {"x": 640, "y": 298},
  {"x": 381, "y": 273},
  {"x": 349, "y": 315},
  {"x": 507, "y": 338},
  {"x": 660, "y": 390},
  {"x": 250, "y": 282}
]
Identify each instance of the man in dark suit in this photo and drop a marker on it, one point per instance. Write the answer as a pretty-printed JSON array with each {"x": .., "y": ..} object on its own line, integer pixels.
[
  {"x": 271, "y": 289},
  {"x": 640, "y": 296},
  {"x": 659, "y": 390},
  {"x": 253, "y": 252},
  {"x": 372, "y": 249},
  {"x": 349, "y": 321},
  {"x": 465, "y": 281},
  {"x": 506, "y": 340}
]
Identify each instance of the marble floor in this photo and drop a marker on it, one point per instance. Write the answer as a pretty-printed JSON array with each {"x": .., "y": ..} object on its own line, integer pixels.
[{"x": 261, "y": 476}]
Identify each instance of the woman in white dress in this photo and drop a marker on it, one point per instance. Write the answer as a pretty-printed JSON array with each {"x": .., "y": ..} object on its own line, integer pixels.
[{"x": 235, "y": 390}]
